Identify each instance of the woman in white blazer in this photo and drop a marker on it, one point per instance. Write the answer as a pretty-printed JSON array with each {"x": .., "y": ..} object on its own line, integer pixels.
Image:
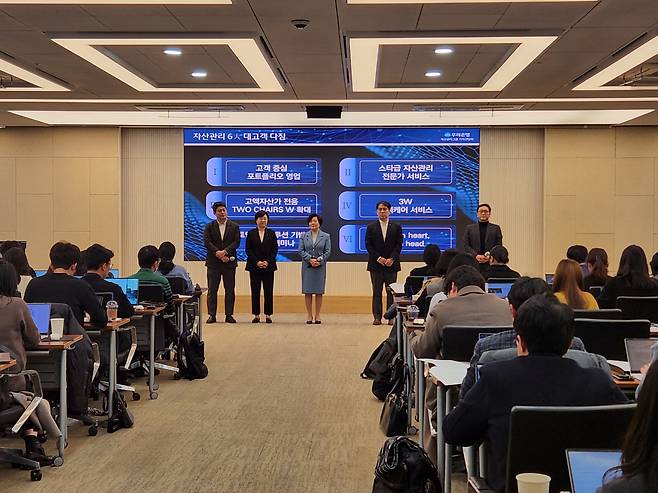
[{"x": 314, "y": 248}]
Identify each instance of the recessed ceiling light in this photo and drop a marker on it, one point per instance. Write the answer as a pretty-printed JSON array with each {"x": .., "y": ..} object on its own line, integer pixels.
[
  {"x": 173, "y": 51},
  {"x": 432, "y": 73},
  {"x": 443, "y": 51},
  {"x": 199, "y": 73}
]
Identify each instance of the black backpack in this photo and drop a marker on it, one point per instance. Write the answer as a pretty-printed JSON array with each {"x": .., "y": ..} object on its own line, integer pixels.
[
  {"x": 191, "y": 357},
  {"x": 391, "y": 378},
  {"x": 121, "y": 416},
  {"x": 403, "y": 466},
  {"x": 378, "y": 367}
]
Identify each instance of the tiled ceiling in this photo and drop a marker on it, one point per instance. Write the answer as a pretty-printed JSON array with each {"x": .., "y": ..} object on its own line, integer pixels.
[{"x": 314, "y": 65}]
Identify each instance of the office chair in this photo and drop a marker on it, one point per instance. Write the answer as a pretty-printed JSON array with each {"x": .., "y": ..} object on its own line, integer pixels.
[
  {"x": 639, "y": 307},
  {"x": 539, "y": 436},
  {"x": 459, "y": 340},
  {"x": 595, "y": 291},
  {"x": 606, "y": 337},
  {"x": 178, "y": 285},
  {"x": 600, "y": 314}
]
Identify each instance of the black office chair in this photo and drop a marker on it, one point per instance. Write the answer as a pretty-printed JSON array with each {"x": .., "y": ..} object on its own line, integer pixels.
[
  {"x": 150, "y": 293},
  {"x": 606, "y": 337},
  {"x": 539, "y": 437},
  {"x": 639, "y": 307},
  {"x": 595, "y": 291},
  {"x": 103, "y": 298},
  {"x": 178, "y": 285},
  {"x": 602, "y": 314},
  {"x": 458, "y": 341}
]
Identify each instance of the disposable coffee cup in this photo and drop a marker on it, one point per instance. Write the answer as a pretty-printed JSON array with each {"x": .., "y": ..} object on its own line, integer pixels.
[
  {"x": 56, "y": 329},
  {"x": 532, "y": 482}
]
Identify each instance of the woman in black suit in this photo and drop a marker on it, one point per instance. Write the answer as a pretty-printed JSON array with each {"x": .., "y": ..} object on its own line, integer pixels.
[{"x": 262, "y": 248}]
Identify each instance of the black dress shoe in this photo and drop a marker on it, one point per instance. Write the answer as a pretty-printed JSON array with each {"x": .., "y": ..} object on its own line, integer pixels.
[
  {"x": 309, "y": 322},
  {"x": 211, "y": 320},
  {"x": 230, "y": 320},
  {"x": 377, "y": 321},
  {"x": 318, "y": 322},
  {"x": 268, "y": 320},
  {"x": 256, "y": 320}
]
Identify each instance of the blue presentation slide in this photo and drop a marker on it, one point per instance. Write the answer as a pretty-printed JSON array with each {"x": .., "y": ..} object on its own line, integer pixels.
[
  {"x": 404, "y": 205},
  {"x": 241, "y": 205},
  {"x": 262, "y": 171},
  {"x": 353, "y": 238},
  {"x": 288, "y": 237},
  {"x": 398, "y": 172}
]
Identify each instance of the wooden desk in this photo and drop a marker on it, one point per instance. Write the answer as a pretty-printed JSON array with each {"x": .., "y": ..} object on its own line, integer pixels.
[
  {"x": 626, "y": 384},
  {"x": 5, "y": 365},
  {"x": 63, "y": 345},
  {"x": 152, "y": 313},
  {"x": 111, "y": 325}
]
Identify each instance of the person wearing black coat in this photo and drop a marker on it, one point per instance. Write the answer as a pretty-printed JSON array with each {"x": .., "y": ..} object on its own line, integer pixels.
[
  {"x": 261, "y": 248},
  {"x": 384, "y": 243}
]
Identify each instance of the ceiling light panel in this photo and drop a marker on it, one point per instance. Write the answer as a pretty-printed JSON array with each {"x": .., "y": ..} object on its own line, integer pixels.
[
  {"x": 400, "y": 2},
  {"x": 246, "y": 50},
  {"x": 365, "y": 52},
  {"x": 629, "y": 61},
  {"x": 39, "y": 82},
  {"x": 118, "y": 2}
]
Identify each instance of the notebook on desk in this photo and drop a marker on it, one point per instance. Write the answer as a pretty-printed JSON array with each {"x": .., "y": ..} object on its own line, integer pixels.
[
  {"x": 588, "y": 467},
  {"x": 41, "y": 316},
  {"x": 638, "y": 353},
  {"x": 130, "y": 287}
]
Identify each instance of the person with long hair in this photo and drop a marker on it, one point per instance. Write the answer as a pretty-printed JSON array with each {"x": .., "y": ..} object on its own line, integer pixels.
[
  {"x": 597, "y": 268},
  {"x": 639, "y": 457},
  {"x": 654, "y": 265},
  {"x": 167, "y": 268},
  {"x": 632, "y": 278},
  {"x": 568, "y": 286},
  {"x": 16, "y": 256}
]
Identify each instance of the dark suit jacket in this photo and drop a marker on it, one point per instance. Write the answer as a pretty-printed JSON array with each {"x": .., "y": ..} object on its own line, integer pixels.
[
  {"x": 215, "y": 243},
  {"x": 377, "y": 246},
  {"x": 471, "y": 239},
  {"x": 535, "y": 380},
  {"x": 617, "y": 286},
  {"x": 100, "y": 285},
  {"x": 265, "y": 250}
]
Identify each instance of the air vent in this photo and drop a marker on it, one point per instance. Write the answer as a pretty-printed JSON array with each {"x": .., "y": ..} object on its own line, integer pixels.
[
  {"x": 488, "y": 107},
  {"x": 191, "y": 108}
]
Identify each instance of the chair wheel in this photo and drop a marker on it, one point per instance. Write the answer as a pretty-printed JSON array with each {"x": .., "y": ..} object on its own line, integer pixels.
[
  {"x": 156, "y": 386},
  {"x": 93, "y": 430},
  {"x": 58, "y": 462},
  {"x": 35, "y": 475},
  {"x": 153, "y": 395},
  {"x": 176, "y": 376},
  {"x": 136, "y": 396},
  {"x": 156, "y": 371},
  {"x": 42, "y": 437}
]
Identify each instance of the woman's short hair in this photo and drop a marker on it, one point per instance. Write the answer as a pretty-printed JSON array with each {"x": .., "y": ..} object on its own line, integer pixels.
[
  {"x": 167, "y": 250},
  {"x": 310, "y": 218},
  {"x": 500, "y": 254},
  {"x": 261, "y": 213}
]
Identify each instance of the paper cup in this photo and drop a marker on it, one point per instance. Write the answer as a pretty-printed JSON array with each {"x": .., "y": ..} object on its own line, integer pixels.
[
  {"x": 531, "y": 482},
  {"x": 56, "y": 329}
]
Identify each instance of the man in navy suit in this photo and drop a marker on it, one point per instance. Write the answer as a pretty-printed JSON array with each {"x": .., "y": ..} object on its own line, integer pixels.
[
  {"x": 540, "y": 376},
  {"x": 384, "y": 244}
]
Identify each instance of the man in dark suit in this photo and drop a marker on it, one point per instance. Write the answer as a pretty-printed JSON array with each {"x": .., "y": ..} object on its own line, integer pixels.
[
  {"x": 384, "y": 244},
  {"x": 481, "y": 237},
  {"x": 538, "y": 377},
  {"x": 222, "y": 238}
]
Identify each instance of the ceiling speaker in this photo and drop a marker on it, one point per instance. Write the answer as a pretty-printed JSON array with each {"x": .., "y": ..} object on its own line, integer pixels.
[{"x": 323, "y": 111}]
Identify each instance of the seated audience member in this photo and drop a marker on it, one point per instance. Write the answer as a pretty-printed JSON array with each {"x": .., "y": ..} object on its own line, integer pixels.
[
  {"x": 467, "y": 304},
  {"x": 81, "y": 268},
  {"x": 639, "y": 453},
  {"x": 457, "y": 261},
  {"x": 498, "y": 259},
  {"x": 18, "y": 333},
  {"x": 435, "y": 285},
  {"x": 654, "y": 265},
  {"x": 99, "y": 263},
  {"x": 632, "y": 278},
  {"x": 149, "y": 261},
  {"x": 16, "y": 256},
  {"x": 568, "y": 286},
  {"x": 5, "y": 246},
  {"x": 167, "y": 267},
  {"x": 541, "y": 378},
  {"x": 431, "y": 256},
  {"x": 59, "y": 286},
  {"x": 578, "y": 253},
  {"x": 523, "y": 289},
  {"x": 597, "y": 269}
]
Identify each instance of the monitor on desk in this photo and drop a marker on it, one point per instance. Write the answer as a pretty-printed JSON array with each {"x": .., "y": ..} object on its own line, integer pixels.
[
  {"x": 500, "y": 289},
  {"x": 115, "y": 273},
  {"x": 587, "y": 468},
  {"x": 41, "y": 316},
  {"x": 129, "y": 287},
  {"x": 40, "y": 272}
]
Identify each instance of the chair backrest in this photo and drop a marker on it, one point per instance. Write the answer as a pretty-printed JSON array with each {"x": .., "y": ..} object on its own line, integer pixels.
[
  {"x": 604, "y": 313},
  {"x": 510, "y": 280},
  {"x": 104, "y": 297},
  {"x": 178, "y": 285},
  {"x": 151, "y": 292},
  {"x": 637, "y": 307},
  {"x": 459, "y": 340},
  {"x": 606, "y": 337},
  {"x": 539, "y": 437},
  {"x": 595, "y": 290}
]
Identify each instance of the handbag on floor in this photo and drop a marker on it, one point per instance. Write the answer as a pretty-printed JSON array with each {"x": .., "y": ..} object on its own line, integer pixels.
[
  {"x": 121, "y": 416},
  {"x": 395, "y": 411},
  {"x": 403, "y": 466}
]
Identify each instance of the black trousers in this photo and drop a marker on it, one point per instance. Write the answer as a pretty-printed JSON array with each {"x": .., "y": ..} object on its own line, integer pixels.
[
  {"x": 215, "y": 277},
  {"x": 266, "y": 279},
  {"x": 379, "y": 280}
]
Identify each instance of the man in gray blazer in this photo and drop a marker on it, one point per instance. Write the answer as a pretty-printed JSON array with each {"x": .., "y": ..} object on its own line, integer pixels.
[
  {"x": 222, "y": 239},
  {"x": 481, "y": 237}
]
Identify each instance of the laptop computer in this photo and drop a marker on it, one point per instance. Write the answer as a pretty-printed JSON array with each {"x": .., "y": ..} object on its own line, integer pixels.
[
  {"x": 638, "y": 353},
  {"x": 129, "y": 287},
  {"x": 500, "y": 289},
  {"x": 587, "y": 468},
  {"x": 41, "y": 316},
  {"x": 40, "y": 272}
]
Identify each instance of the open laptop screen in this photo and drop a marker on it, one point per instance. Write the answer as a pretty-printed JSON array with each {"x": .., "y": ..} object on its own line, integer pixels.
[
  {"x": 500, "y": 289},
  {"x": 128, "y": 286},
  {"x": 587, "y": 468},
  {"x": 638, "y": 352},
  {"x": 41, "y": 316},
  {"x": 40, "y": 273}
]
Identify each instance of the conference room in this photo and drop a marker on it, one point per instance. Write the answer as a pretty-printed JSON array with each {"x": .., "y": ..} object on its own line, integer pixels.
[{"x": 164, "y": 162}]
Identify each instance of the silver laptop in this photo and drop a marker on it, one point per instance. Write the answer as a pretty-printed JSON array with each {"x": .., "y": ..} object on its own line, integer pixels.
[
  {"x": 588, "y": 468},
  {"x": 638, "y": 353}
]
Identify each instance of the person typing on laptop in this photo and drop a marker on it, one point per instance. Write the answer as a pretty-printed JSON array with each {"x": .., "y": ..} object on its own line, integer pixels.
[{"x": 59, "y": 286}]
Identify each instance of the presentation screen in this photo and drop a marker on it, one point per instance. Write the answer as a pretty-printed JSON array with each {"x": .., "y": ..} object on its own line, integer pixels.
[{"x": 429, "y": 175}]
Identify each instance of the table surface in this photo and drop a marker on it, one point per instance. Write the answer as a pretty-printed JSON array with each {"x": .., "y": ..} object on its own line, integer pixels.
[
  {"x": 5, "y": 365},
  {"x": 150, "y": 311},
  {"x": 111, "y": 324},
  {"x": 64, "y": 343}
]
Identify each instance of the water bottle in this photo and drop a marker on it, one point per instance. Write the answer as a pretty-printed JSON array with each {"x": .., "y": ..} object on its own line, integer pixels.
[
  {"x": 412, "y": 312},
  {"x": 112, "y": 309}
]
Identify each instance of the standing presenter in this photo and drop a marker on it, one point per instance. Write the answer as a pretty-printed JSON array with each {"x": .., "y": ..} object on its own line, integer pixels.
[
  {"x": 314, "y": 248},
  {"x": 481, "y": 237}
]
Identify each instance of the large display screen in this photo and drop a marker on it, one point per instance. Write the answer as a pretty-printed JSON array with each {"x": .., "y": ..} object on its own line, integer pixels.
[{"x": 429, "y": 175}]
